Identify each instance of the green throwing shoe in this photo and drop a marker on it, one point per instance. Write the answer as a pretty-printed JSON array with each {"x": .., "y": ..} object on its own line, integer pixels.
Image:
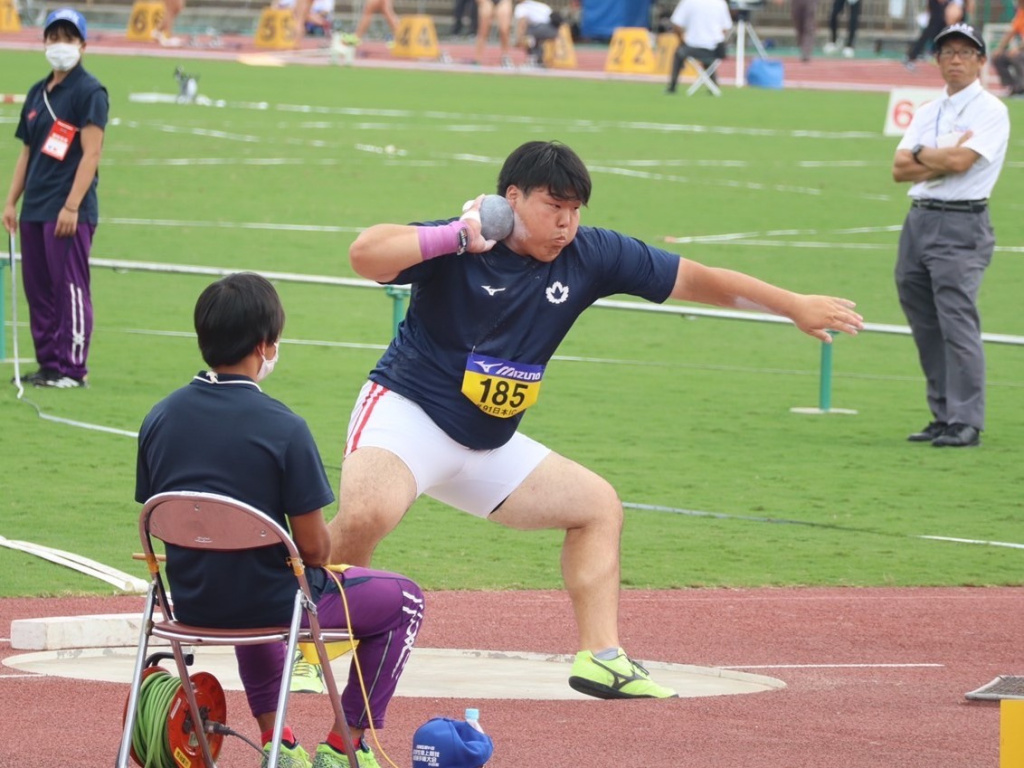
[
  {"x": 328, "y": 757},
  {"x": 288, "y": 757},
  {"x": 618, "y": 678}
]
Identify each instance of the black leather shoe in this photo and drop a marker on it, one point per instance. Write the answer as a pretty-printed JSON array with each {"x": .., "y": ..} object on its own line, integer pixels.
[
  {"x": 958, "y": 436},
  {"x": 929, "y": 433},
  {"x": 36, "y": 378}
]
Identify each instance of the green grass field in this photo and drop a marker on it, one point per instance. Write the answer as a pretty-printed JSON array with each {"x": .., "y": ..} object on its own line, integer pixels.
[{"x": 682, "y": 413}]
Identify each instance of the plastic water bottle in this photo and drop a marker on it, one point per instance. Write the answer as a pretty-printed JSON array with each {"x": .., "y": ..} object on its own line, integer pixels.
[{"x": 473, "y": 719}]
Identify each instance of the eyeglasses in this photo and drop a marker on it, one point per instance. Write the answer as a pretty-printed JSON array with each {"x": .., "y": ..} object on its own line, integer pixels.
[{"x": 965, "y": 54}]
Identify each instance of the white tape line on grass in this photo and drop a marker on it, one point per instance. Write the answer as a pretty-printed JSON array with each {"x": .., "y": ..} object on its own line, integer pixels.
[
  {"x": 461, "y": 118},
  {"x": 809, "y": 524},
  {"x": 227, "y": 225},
  {"x": 758, "y": 239},
  {"x": 286, "y": 341},
  {"x": 974, "y": 541},
  {"x": 750, "y": 185},
  {"x": 80, "y": 424}
]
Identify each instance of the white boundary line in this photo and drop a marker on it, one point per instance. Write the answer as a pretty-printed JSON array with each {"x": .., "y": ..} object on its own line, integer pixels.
[
  {"x": 832, "y": 666},
  {"x": 809, "y": 523},
  {"x": 974, "y": 541}
]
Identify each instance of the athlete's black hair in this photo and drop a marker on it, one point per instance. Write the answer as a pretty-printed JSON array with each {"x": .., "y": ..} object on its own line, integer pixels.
[
  {"x": 235, "y": 314},
  {"x": 548, "y": 164}
]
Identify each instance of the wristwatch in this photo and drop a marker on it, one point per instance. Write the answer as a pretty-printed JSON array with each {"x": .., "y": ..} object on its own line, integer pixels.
[{"x": 917, "y": 151}]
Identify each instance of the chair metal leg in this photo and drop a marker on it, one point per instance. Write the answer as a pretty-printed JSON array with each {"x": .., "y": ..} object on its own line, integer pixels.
[
  {"x": 704, "y": 77},
  {"x": 286, "y": 682},
  {"x": 132, "y": 708},
  {"x": 332, "y": 685},
  {"x": 193, "y": 705}
]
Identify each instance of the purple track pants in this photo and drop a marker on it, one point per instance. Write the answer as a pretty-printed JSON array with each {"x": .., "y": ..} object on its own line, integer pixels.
[
  {"x": 387, "y": 612},
  {"x": 55, "y": 273}
]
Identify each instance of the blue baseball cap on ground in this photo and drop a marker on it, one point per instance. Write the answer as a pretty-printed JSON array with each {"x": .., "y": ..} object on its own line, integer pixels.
[
  {"x": 445, "y": 743},
  {"x": 69, "y": 15}
]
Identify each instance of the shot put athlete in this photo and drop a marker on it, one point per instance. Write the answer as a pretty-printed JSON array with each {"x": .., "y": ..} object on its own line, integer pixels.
[{"x": 440, "y": 412}]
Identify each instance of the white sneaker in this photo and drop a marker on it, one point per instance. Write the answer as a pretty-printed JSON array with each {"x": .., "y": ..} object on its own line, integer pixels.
[
  {"x": 848, "y": 52},
  {"x": 165, "y": 41},
  {"x": 830, "y": 48}
]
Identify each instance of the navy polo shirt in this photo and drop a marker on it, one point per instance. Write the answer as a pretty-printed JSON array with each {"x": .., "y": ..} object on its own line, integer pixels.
[
  {"x": 230, "y": 438},
  {"x": 502, "y": 305},
  {"x": 81, "y": 100}
]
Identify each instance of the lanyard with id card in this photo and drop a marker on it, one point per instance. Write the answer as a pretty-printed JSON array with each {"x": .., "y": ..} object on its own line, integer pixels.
[{"x": 61, "y": 135}]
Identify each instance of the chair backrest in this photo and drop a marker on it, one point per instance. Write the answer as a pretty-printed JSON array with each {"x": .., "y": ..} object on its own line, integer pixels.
[{"x": 209, "y": 521}]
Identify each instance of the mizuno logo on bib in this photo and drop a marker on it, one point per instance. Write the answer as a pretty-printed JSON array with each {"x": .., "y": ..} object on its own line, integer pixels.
[{"x": 499, "y": 387}]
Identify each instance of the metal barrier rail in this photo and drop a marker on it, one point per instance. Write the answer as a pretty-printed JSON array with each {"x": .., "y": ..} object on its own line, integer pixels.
[{"x": 399, "y": 295}]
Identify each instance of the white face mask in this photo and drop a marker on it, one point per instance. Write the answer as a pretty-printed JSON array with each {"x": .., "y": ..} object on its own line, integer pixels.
[
  {"x": 63, "y": 56},
  {"x": 267, "y": 366}
]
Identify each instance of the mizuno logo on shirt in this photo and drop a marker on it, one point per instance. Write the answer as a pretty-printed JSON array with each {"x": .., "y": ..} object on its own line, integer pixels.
[
  {"x": 491, "y": 291},
  {"x": 487, "y": 367}
]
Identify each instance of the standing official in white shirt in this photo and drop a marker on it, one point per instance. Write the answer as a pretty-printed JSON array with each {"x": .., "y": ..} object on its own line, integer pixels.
[{"x": 952, "y": 154}]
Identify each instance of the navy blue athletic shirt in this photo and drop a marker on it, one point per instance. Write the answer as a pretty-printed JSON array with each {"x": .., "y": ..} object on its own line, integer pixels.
[
  {"x": 81, "y": 100},
  {"x": 230, "y": 438},
  {"x": 503, "y": 305}
]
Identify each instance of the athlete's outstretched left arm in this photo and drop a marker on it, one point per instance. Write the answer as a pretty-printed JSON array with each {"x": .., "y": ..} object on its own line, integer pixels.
[{"x": 814, "y": 315}]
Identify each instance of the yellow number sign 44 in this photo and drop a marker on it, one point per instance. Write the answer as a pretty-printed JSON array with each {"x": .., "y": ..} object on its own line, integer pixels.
[{"x": 416, "y": 38}]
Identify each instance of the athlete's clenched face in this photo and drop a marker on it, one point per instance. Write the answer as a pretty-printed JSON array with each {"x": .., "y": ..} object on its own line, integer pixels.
[{"x": 544, "y": 224}]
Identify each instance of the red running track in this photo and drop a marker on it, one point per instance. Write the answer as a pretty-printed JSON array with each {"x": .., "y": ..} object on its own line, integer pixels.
[
  {"x": 875, "y": 679},
  {"x": 821, "y": 72}
]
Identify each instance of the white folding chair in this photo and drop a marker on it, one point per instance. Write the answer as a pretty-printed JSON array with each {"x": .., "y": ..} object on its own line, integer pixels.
[
  {"x": 214, "y": 523},
  {"x": 704, "y": 77}
]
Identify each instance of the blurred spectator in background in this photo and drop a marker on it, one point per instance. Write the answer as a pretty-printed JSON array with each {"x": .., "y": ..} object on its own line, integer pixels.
[
  {"x": 464, "y": 9},
  {"x": 957, "y": 11},
  {"x": 1009, "y": 61},
  {"x": 702, "y": 27},
  {"x": 941, "y": 14},
  {"x": 851, "y": 32},
  {"x": 487, "y": 10},
  {"x": 372, "y": 8},
  {"x": 804, "y": 14},
  {"x": 164, "y": 31},
  {"x": 535, "y": 23}
]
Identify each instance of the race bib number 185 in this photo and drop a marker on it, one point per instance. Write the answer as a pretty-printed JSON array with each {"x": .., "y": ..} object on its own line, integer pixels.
[{"x": 501, "y": 388}]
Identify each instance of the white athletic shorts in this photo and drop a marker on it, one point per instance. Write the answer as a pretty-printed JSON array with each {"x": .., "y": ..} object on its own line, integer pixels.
[{"x": 473, "y": 481}]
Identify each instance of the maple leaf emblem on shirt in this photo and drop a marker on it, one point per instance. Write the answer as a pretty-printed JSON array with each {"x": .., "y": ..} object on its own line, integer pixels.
[{"x": 557, "y": 293}]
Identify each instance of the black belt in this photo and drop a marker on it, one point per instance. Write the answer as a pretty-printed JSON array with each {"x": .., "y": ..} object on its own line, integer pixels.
[{"x": 959, "y": 206}]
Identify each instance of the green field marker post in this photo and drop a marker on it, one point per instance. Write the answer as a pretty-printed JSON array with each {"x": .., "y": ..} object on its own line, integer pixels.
[
  {"x": 398, "y": 296},
  {"x": 825, "y": 385}
]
